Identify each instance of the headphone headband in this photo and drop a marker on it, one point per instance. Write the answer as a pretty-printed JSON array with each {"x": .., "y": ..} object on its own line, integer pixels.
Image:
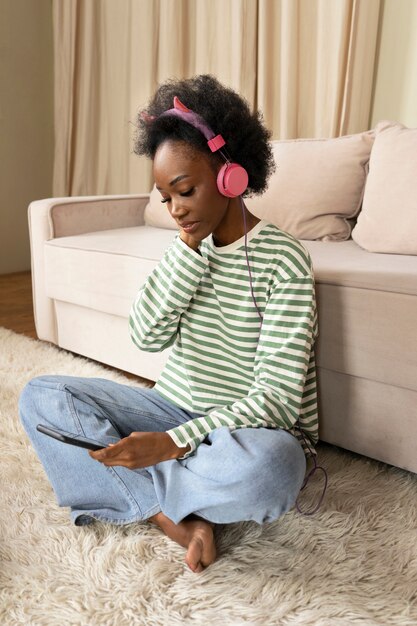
[{"x": 215, "y": 142}]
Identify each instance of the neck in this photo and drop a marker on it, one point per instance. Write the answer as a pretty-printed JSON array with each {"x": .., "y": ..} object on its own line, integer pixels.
[{"x": 232, "y": 226}]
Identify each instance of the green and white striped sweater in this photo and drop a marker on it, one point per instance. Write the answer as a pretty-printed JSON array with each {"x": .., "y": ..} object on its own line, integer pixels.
[{"x": 224, "y": 364}]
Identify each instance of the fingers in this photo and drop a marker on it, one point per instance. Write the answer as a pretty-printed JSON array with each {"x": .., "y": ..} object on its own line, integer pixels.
[
  {"x": 120, "y": 453},
  {"x": 105, "y": 455},
  {"x": 137, "y": 450}
]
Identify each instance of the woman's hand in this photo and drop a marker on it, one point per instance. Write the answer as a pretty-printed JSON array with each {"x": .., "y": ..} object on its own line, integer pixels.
[
  {"x": 139, "y": 450},
  {"x": 189, "y": 240}
]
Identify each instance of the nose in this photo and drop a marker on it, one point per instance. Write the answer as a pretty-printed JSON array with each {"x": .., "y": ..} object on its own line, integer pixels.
[{"x": 178, "y": 210}]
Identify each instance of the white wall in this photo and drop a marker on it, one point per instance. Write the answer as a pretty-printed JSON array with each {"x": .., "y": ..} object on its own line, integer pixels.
[
  {"x": 26, "y": 122},
  {"x": 395, "y": 86}
]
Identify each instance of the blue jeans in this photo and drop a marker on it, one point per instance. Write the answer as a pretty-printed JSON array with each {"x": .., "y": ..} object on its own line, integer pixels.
[{"x": 245, "y": 474}]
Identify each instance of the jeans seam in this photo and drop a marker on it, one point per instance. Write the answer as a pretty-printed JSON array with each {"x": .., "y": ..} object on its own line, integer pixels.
[
  {"x": 147, "y": 413},
  {"x": 167, "y": 419},
  {"x": 168, "y": 422},
  {"x": 117, "y": 521},
  {"x": 73, "y": 411},
  {"x": 156, "y": 508},
  {"x": 113, "y": 472},
  {"x": 128, "y": 410},
  {"x": 126, "y": 489}
]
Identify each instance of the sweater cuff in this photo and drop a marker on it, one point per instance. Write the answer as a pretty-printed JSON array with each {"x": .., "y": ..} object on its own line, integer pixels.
[
  {"x": 182, "y": 440},
  {"x": 190, "y": 254}
]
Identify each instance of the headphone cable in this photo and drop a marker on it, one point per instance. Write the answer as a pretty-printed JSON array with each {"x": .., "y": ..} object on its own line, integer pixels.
[
  {"x": 316, "y": 466},
  {"x": 247, "y": 257}
]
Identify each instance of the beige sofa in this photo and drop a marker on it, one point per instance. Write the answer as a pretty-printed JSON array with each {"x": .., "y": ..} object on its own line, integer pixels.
[{"x": 90, "y": 256}]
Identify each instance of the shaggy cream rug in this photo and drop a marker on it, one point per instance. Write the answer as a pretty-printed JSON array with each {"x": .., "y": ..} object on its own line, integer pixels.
[{"x": 353, "y": 562}]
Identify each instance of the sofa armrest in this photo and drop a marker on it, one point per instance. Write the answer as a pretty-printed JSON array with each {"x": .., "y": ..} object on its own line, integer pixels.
[{"x": 63, "y": 217}]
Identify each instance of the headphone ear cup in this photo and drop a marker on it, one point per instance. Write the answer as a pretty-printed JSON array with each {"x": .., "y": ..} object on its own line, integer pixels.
[{"x": 232, "y": 180}]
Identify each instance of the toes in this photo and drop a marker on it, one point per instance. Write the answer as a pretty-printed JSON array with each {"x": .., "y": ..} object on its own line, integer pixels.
[
  {"x": 194, "y": 555},
  {"x": 201, "y": 551},
  {"x": 195, "y": 567}
]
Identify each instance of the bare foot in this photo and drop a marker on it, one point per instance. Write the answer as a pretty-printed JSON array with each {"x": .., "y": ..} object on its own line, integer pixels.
[{"x": 194, "y": 534}]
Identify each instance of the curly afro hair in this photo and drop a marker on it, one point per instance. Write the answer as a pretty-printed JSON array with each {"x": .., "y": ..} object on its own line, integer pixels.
[{"x": 225, "y": 111}]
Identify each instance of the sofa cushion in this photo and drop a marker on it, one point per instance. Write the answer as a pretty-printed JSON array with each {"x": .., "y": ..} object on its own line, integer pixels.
[
  {"x": 103, "y": 270},
  {"x": 92, "y": 267},
  {"x": 388, "y": 220},
  {"x": 346, "y": 264}
]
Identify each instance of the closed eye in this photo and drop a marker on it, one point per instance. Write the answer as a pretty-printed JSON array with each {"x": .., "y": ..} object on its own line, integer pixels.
[
  {"x": 184, "y": 194},
  {"x": 188, "y": 193}
]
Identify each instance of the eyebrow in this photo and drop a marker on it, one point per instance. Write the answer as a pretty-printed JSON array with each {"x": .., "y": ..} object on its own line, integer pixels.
[{"x": 176, "y": 180}]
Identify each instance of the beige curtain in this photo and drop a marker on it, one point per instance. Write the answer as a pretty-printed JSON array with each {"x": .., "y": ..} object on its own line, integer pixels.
[
  {"x": 315, "y": 66},
  {"x": 307, "y": 64}
]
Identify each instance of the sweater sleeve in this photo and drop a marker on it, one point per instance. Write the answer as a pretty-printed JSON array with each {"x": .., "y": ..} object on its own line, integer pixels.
[
  {"x": 283, "y": 354},
  {"x": 166, "y": 294}
]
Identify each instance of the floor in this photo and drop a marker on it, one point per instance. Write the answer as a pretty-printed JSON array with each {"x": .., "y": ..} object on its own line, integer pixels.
[
  {"x": 16, "y": 305},
  {"x": 16, "y": 308}
]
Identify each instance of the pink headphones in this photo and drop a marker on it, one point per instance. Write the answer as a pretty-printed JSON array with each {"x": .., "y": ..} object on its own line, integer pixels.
[{"x": 232, "y": 179}]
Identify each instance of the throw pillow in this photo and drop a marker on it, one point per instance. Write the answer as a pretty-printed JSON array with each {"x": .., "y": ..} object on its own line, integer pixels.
[
  {"x": 317, "y": 187},
  {"x": 156, "y": 213},
  {"x": 388, "y": 220}
]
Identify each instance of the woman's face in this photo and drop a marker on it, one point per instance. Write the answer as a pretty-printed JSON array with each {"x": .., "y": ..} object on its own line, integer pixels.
[{"x": 187, "y": 182}]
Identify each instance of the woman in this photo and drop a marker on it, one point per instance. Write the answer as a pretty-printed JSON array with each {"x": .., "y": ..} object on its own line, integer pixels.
[{"x": 224, "y": 434}]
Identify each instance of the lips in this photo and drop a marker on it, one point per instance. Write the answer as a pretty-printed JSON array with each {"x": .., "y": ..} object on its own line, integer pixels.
[
  {"x": 189, "y": 227},
  {"x": 186, "y": 224}
]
